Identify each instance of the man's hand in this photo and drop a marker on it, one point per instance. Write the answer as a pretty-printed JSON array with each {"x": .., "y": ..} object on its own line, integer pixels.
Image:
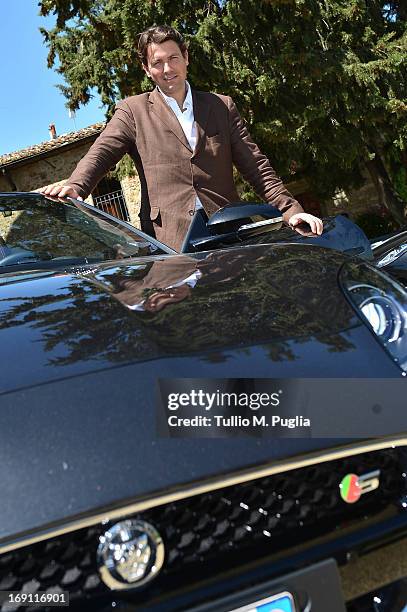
[
  {"x": 61, "y": 191},
  {"x": 163, "y": 297},
  {"x": 315, "y": 223}
]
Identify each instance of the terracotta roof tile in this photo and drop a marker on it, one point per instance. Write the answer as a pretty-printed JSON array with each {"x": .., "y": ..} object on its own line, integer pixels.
[{"x": 48, "y": 145}]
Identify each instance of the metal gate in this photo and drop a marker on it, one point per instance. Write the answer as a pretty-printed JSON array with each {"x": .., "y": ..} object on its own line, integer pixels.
[{"x": 113, "y": 203}]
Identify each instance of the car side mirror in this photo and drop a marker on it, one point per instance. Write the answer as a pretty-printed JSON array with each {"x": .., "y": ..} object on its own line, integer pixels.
[
  {"x": 230, "y": 224},
  {"x": 246, "y": 219}
]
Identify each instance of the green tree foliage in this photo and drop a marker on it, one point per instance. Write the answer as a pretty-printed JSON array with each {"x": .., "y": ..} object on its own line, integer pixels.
[{"x": 321, "y": 83}]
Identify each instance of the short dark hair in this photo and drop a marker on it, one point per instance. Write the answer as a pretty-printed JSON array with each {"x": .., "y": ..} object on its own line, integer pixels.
[{"x": 158, "y": 35}]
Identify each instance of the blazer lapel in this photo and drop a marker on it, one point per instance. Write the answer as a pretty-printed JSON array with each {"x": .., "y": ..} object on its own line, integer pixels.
[
  {"x": 201, "y": 114},
  {"x": 166, "y": 115}
]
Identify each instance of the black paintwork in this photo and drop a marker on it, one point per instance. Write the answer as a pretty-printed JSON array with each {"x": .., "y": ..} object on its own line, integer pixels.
[
  {"x": 80, "y": 368},
  {"x": 82, "y": 348},
  {"x": 398, "y": 269},
  {"x": 60, "y": 324}
]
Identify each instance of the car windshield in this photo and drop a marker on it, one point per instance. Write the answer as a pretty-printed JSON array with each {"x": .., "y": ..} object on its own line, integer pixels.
[{"x": 35, "y": 229}]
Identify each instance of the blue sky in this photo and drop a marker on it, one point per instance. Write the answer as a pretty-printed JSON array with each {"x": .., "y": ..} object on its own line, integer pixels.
[{"x": 30, "y": 101}]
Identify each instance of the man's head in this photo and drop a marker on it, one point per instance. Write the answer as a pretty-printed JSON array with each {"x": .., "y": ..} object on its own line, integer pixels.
[{"x": 164, "y": 56}]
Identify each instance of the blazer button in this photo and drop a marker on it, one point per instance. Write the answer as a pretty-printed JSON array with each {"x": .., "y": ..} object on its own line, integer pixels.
[{"x": 191, "y": 212}]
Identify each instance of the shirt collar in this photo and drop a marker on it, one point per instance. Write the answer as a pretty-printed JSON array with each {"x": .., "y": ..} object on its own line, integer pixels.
[{"x": 171, "y": 101}]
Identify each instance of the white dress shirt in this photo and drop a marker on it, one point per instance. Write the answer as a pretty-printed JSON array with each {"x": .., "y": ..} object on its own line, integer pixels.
[{"x": 186, "y": 120}]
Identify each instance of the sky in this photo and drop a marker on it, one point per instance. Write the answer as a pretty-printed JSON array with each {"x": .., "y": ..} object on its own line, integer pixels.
[{"x": 29, "y": 100}]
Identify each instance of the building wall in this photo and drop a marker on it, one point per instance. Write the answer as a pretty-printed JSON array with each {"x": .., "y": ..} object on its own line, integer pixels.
[
  {"x": 55, "y": 169},
  {"x": 41, "y": 172},
  {"x": 132, "y": 195},
  {"x": 355, "y": 202}
]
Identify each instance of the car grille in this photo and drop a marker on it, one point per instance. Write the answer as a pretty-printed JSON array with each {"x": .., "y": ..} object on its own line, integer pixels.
[{"x": 283, "y": 509}]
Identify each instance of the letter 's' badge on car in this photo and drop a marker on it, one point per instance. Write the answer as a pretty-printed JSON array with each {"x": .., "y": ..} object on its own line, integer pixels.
[
  {"x": 352, "y": 487},
  {"x": 130, "y": 553}
]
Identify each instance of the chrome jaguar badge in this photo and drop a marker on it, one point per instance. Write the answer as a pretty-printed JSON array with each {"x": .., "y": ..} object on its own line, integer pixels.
[
  {"x": 130, "y": 554},
  {"x": 352, "y": 487}
]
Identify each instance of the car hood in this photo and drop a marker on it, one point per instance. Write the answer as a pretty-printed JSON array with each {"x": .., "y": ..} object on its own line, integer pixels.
[
  {"x": 81, "y": 353},
  {"x": 55, "y": 325}
]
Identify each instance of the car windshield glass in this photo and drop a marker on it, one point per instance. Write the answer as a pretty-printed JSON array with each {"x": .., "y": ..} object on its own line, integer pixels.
[{"x": 36, "y": 229}]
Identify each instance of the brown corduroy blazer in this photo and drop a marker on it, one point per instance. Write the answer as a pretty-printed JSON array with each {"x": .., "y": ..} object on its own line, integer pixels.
[{"x": 171, "y": 174}]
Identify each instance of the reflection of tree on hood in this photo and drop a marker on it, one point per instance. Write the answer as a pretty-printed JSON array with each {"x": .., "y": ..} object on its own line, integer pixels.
[
  {"x": 267, "y": 299},
  {"x": 244, "y": 297}
]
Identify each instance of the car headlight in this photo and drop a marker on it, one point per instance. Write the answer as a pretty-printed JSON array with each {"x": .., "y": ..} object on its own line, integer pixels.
[{"x": 382, "y": 303}]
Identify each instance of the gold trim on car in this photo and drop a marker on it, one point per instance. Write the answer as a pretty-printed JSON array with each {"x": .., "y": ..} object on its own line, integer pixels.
[{"x": 191, "y": 489}]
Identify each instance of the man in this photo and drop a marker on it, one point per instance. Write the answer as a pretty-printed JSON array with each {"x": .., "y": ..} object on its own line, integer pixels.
[{"x": 184, "y": 144}]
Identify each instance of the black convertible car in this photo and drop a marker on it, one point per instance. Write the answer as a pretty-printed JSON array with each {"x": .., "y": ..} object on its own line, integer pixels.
[{"x": 113, "y": 497}]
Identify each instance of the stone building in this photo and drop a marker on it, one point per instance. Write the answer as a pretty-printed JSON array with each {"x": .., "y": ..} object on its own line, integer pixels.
[{"x": 51, "y": 163}]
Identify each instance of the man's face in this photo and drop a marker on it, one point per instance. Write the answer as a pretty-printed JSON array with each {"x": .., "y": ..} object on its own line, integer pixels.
[{"x": 167, "y": 67}]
